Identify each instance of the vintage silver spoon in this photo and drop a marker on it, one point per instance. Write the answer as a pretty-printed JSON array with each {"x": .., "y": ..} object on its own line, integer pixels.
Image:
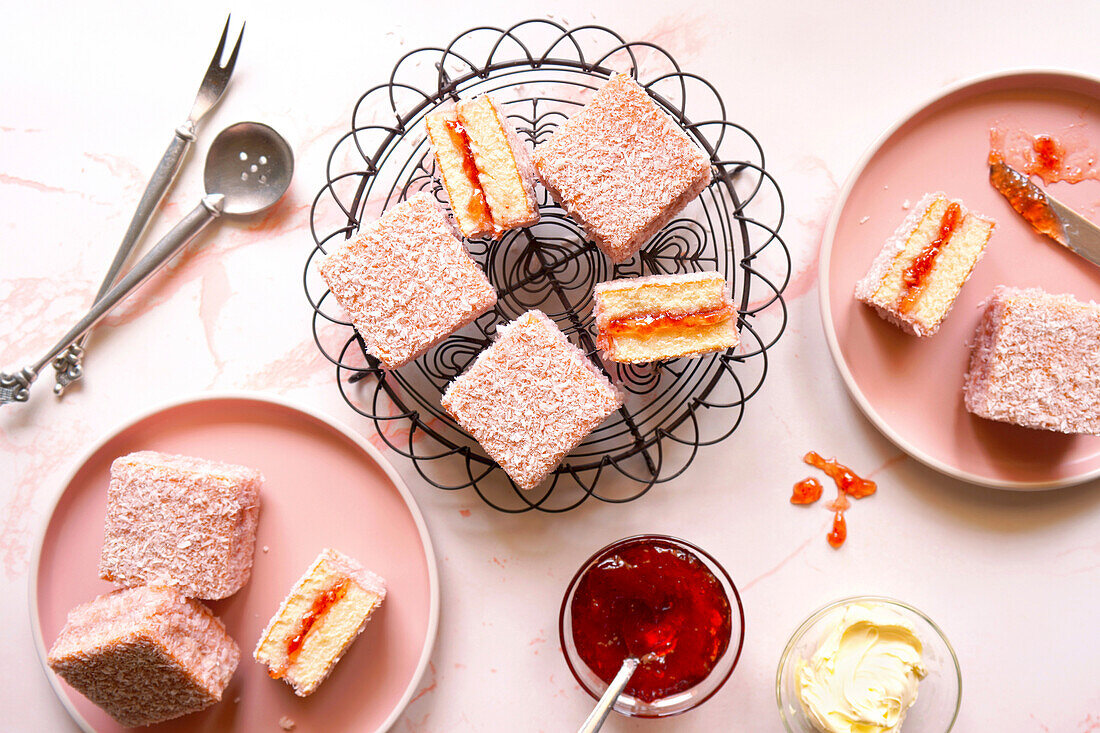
[
  {"x": 248, "y": 169},
  {"x": 599, "y": 714}
]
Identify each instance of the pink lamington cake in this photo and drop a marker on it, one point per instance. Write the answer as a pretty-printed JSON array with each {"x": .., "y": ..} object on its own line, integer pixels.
[
  {"x": 622, "y": 168},
  {"x": 406, "y": 281},
  {"x": 180, "y": 521},
  {"x": 1035, "y": 362},
  {"x": 530, "y": 398},
  {"x": 145, "y": 655}
]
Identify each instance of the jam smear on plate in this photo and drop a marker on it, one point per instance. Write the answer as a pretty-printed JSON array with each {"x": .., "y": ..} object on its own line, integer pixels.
[
  {"x": 1054, "y": 155},
  {"x": 916, "y": 275},
  {"x": 848, "y": 483},
  {"x": 652, "y": 600}
]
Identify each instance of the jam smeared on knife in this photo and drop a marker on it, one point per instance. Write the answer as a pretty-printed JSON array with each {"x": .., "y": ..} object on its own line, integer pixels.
[
  {"x": 652, "y": 600},
  {"x": 1025, "y": 197},
  {"x": 320, "y": 606},
  {"x": 915, "y": 276},
  {"x": 648, "y": 324},
  {"x": 848, "y": 483}
]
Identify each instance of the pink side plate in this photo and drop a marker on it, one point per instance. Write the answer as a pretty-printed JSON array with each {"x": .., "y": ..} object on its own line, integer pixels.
[
  {"x": 325, "y": 487},
  {"x": 911, "y": 388}
]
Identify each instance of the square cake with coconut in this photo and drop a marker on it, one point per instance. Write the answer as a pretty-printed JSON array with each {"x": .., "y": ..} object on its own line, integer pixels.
[
  {"x": 1035, "y": 362},
  {"x": 530, "y": 398},
  {"x": 180, "y": 521},
  {"x": 145, "y": 654},
  {"x": 622, "y": 168}
]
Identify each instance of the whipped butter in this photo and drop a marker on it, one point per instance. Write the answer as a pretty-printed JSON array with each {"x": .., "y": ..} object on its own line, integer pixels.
[{"x": 864, "y": 675}]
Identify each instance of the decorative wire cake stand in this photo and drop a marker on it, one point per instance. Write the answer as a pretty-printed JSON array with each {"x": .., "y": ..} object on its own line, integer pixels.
[{"x": 541, "y": 72}]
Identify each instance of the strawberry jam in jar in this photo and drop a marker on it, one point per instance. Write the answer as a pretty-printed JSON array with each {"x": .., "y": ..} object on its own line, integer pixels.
[{"x": 664, "y": 602}]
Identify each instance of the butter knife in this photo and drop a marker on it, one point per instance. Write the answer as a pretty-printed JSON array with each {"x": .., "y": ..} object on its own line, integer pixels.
[{"x": 1046, "y": 214}]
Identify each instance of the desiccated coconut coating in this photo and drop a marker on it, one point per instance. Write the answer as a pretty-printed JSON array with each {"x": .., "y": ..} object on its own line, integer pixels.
[
  {"x": 530, "y": 398},
  {"x": 145, "y": 655},
  {"x": 1035, "y": 362},
  {"x": 622, "y": 168},
  {"x": 180, "y": 521},
  {"x": 406, "y": 281}
]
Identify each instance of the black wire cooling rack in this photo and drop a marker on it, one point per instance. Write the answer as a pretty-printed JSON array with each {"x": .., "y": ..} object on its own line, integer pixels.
[{"x": 541, "y": 72}]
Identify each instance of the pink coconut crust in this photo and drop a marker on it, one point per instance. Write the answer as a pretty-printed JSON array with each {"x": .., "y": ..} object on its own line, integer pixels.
[
  {"x": 145, "y": 655},
  {"x": 347, "y": 567},
  {"x": 622, "y": 168},
  {"x": 406, "y": 281},
  {"x": 180, "y": 521},
  {"x": 530, "y": 398},
  {"x": 1035, "y": 362}
]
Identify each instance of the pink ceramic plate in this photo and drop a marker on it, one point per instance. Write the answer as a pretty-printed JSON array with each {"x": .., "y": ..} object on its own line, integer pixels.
[
  {"x": 910, "y": 388},
  {"x": 325, "y": 486}
]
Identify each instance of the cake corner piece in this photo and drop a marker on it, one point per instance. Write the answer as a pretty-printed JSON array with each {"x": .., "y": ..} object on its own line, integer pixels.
[
  {"x": 917, "y": 275},
  {"x": 324, "y": 612}
]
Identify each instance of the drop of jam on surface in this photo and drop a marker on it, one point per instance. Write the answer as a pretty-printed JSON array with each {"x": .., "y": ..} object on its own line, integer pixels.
[
  {"x": 479, "y": 207},
  {"x": 1065, "y": 155},
  {"x": 848, "y": 483},
  {"x": 652, "y": 600},
  {"x": 915, "y": 276},
  {"x": 839, "y": 532},
  {"x": 650, "y": 323},
  {"x": 807, "y": 491},
  {"x": 1028, "y": 201},
  {"x": 321, "y": 604}
]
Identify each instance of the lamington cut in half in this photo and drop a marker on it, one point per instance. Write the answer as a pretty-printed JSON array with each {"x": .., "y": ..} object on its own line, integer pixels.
[
  {"x": 622, "y": 168},
  {"x": 326, "y": 610},
  {"x": 530, "y": 398},
  {"x": 145, "y": 655},
  {"x": 458, "y": 173},
  {"x": 484, "y": 167},
  {"x": 180, "y": 521},
  {"x": 914, "y": 280},
  {"x": 1035, "y": 362},
  {"x": 664, "y": 317},
  {"x": 406, "y": 282}
]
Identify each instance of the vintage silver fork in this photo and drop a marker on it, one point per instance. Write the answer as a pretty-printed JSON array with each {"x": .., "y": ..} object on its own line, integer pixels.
[{"x": 68, "y": 365}]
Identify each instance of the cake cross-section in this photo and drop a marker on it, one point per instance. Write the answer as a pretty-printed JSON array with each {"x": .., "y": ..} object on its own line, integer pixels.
[
  {"x": 484, "y": 166},
  {"x": 406, "y": 281},
  {"x": 1035, "y": 362},
  {"x": 918, "y": 273},
  {"x": 180, "y": 521},
  {"x": 622, "y": 168},
  {"x": 664, "y": 316},
  {"x": 322, "y": 615},
  {"x": 145, "y": 655},
  {"x": 530, "y": 398}
]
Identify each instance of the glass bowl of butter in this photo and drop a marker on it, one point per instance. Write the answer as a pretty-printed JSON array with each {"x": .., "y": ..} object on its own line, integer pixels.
[{"x": 868, "y": 663}]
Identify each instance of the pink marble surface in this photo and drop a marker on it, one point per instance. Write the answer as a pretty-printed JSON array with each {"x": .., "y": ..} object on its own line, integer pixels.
[{"x": 1011, "y": 578}]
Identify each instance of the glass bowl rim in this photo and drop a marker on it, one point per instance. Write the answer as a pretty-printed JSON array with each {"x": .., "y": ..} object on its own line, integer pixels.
[
  {"x": 690, "y": 547},
  {"x": 821, "y": 612}
]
